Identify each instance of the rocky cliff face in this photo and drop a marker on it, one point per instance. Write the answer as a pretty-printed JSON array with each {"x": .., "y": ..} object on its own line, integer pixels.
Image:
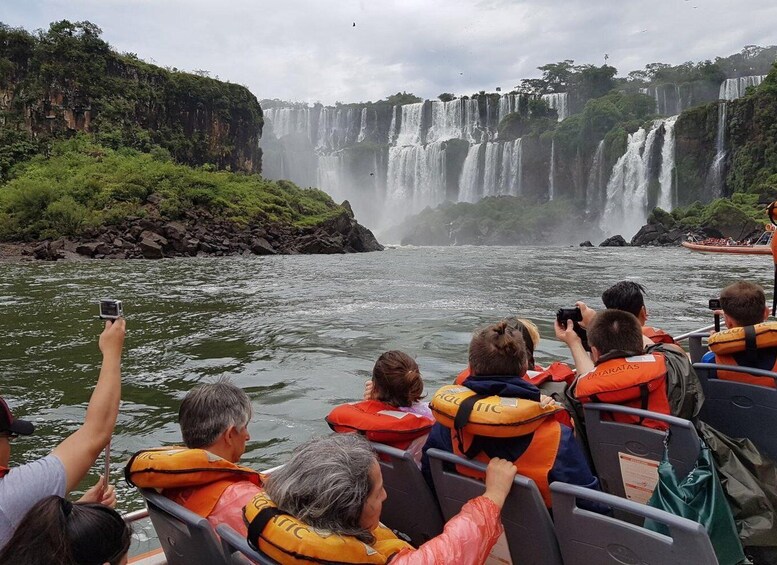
[{"x": 67, "y": 80}]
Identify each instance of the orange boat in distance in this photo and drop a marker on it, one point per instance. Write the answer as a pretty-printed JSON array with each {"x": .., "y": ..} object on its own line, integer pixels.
[{"x": 712, "y": 245}]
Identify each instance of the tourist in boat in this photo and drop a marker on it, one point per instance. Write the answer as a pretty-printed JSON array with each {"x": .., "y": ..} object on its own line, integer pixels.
[
  {"x": 204, "y": 476},
  {"x": 60, "y": 472},
  {"x": 621, "y": 370},
  {"x": 535, "y": 374},
  {"x": 539, "y": 446},
  {"x": 334, "y": 485},
  {"x": 744, "y": 311},
  {"x": 56, "y": 531},
  {"x": 392, "y": 411},
  {"x": 628, "y": 296}
]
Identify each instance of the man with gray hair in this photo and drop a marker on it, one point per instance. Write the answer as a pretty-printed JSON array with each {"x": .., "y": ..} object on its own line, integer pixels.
[{"x": 204, "y": 476}]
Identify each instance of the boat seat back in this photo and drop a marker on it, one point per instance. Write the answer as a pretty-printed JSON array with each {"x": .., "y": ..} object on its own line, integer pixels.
[
  {"x": 410, "y": 507},
  {"x": 696, "y": 347},
  {"x": 186, "y": 538},
  {"x": 740, "y": 410},
  {"x": 237, "y": 548},
  {"x": 616, "y": 445},
  {"x": 586, "y": 537},
  {"x": 528, "y": 527}
]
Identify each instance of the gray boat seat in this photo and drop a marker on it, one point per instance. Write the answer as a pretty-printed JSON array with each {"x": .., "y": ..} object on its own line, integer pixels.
[
  {"x": 524, "y": 514},
  {"x": 410, "y": 507},
  {"x": 237, "y": 548},
  {"x": 740, "y": 410},
  {"x": 611, "y": 442},
  {"x": 586, "y": 537},
  {"x": 696, "y": 347},
  {"x": 186, "y": 538}
]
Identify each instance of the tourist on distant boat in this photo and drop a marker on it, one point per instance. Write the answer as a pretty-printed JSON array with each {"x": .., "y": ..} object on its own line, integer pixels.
[
  {"x": 56, "y": 531},
  {"x": 744, "y": 312},
  {"x": 60, "y": 472},
  {"x": 539, "y": 446},
  {"x": 629, "y": 297},
  {"x": 392, "y": 411},
  {"x": 333, "y": 485},
  {"x": 204, "y": 476}
]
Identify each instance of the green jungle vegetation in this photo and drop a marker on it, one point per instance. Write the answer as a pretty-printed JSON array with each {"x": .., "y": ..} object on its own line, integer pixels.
[
  {"x": 55, "y": 182},
  {"x": 81, "y": 184}
]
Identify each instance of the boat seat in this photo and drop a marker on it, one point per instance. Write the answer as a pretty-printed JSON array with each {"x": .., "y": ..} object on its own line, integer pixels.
[
  {"x": 186, "y": 538},
  {"x": 611, "y": 444},
  {"x": 524, "y": 514},
  {"x": 586, "y": 537},
  {"x": 237, "y": 548},
  {"x": 740, "y": 410},
  {"x": 410, "y": 507}
]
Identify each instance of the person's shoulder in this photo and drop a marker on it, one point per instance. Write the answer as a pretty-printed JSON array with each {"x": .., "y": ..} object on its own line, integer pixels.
[
  {"x": 49, "y": 465},
  {"x": 708, "y": 357}
]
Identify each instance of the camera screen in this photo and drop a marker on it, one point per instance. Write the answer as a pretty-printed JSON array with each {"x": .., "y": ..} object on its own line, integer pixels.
[{"x": 714, "y": 304}]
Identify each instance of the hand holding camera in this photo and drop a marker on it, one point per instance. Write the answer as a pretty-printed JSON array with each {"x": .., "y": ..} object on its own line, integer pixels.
[
  {"x": 563, "y": 316},
  {"x": 112, "y": 338},
  {"x": 717, "y": 310}
]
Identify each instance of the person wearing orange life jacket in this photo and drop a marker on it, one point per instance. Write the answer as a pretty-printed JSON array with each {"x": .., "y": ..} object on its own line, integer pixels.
[
  {"x": 745, "y": 314},
  {"x": 544, "y": 451},
  {"x": 629, "y": 297},
  {"x": 621, "y": 371},
  {"x": 324, "y": 506},
  {"x": 392, "y": 412},
  {"x": 204, "y": 476}
]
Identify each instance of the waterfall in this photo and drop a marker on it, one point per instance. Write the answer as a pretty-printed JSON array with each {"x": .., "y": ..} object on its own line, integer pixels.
[
  {"x": 411, "y": 124},
  {"x": 392, "y": 131},
  {"x": 363, "y": 126},
  {"x": 512, "y": 168},
  {"x": 666, "y": 198},
  {"x": 416, "y": 176},
  {"x": 558, "y": 102},
  {"x": 491, "y": 170},
  {"x": 469, "y": 182},
  {"x": 330, "y": 175},
  {"x": 733, "y": 88},
  {"x": 596, "y": 180},
  {"x": 627, "y": 189},
  {"x": 715, "y": 174},
  {"x": 552, "y": 173}
]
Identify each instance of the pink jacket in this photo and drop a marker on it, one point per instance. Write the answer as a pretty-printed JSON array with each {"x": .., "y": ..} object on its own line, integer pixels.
[{"x": 467, "y": 538}]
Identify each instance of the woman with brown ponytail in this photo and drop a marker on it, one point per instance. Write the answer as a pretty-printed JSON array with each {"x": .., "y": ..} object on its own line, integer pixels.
[
  {"x": 542, "y": 448},
  {"x": 391, "y": 411}
]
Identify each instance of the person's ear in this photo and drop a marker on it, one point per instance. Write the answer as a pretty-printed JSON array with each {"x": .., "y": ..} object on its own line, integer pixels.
[
  {"x": 230, "y": 434},
  {"x": 767, "y": 311},
  {"x": 595, "y": 354},
  {"x": 643, "y": 314}
]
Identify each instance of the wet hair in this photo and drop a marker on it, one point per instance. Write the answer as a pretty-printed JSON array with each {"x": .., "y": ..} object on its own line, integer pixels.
[
  {"x": 326, "y": 484},
  {"x": 530, "y": 335},
  {"x": 498, "y": 349},
  {"x": 625, "y": 295},
  {"x": 744, "y": 302},
  {"x": 396, "y": 379},
  {"x": 57, "y": 531},
  {"x": 615, "y": 330},
  {"x": 209, "y": 409}
]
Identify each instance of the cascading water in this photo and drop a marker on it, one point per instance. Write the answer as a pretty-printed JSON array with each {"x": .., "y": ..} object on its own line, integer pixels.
[
  {"x": 552, "y": 173},
  {"x": 363, "y": 128},
  {"x": 512, "y": 167},
  {"x": 558, "y": 101},
  {"x": 667, "y": 198},
  {"x": 733, "y": 88},
  {"x": 470, "y": 180},
  {"x": 416, "y": 176},
  {"x": 492, "y": 169},
  {"x": 597, "y": 183},
  {"x": 627, "y": 189},
  {"x": 715, "y": 175},
  {"x": 410, "y": 131}
]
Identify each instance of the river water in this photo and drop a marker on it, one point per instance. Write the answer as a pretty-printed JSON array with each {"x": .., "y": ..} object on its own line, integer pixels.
[{"x": 300, "y": 333}]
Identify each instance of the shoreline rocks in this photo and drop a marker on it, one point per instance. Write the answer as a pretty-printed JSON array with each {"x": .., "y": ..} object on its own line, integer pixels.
[{"x": 200, "y": 234}]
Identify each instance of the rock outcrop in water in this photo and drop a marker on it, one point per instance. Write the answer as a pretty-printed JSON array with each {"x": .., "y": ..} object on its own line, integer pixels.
[{"x": 199, "y": 233}]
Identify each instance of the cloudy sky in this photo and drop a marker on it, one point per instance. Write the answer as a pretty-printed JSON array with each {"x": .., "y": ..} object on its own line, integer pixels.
[{"x": 310, "y": 50}]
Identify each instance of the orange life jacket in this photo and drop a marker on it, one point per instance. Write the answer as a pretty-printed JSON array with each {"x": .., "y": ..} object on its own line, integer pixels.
[
  {"x": 379, "y": 422},
  {"x": 556, "y": 372},
  {"x": 194, "y": 478},
  {"x": 750, "y": 339},
  {"x": 500, "y": 417},
  {"x": 4, "y": 471},
  {"x": 638, "y": 382},
  {"x": 656, "y": 335}
]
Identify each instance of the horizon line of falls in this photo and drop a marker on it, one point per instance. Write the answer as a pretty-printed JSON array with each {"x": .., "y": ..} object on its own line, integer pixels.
[
  {"x": 733, "y": 88},
  {"x": 642, "y": 178},
  {"x": 392, "y": 161}
]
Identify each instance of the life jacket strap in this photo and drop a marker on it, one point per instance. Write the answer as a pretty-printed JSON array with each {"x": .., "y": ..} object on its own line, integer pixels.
[
  {"x": 462, "y": 419},
  {"x": 257, "y": 525},
  {"x": 751, "y": 347},
  {"x": 644, "y": 395}
]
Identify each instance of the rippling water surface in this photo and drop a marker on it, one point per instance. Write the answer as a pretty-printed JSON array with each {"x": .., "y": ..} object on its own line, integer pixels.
[{"x": 300, "y": 333}]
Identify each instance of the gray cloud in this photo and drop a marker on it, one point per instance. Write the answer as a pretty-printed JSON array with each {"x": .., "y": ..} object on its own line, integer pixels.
[{"x": 309, "y": 50}]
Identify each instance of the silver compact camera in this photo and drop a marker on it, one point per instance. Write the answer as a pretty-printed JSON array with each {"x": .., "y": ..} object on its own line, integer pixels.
[{"x": 110, "y": 309}]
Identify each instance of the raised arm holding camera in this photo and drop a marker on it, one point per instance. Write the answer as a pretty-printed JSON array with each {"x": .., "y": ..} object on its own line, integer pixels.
[{"x": 61, "y": 471}]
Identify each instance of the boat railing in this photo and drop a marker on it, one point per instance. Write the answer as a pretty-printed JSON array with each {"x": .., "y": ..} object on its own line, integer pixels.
[{"x": 695, "y": 338}]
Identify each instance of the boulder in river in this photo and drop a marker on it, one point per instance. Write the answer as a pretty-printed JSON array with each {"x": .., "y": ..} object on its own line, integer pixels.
[{"x": 614, "y": 241}]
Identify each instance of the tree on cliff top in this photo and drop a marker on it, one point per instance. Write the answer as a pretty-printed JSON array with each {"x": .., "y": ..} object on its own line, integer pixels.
[{"x": 401, "y": 98}]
